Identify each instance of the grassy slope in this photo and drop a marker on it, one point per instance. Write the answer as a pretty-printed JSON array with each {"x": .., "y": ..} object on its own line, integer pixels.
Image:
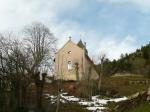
[
  {"x": 119, "y": 84},
  {"x": 122, "y": 84},
  {"x": 124, "y": 88},
  {"x": 72, "y": 108},
  {"x": 144, "y": 107},
  {"x": 47, "y": 107}
]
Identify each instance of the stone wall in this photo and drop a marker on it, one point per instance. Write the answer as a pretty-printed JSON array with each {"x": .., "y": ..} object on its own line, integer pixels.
[{"x": 139, "y": 82}]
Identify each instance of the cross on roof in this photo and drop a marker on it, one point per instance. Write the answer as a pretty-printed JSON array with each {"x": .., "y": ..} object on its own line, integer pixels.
[{"x": 70, "y": 38}]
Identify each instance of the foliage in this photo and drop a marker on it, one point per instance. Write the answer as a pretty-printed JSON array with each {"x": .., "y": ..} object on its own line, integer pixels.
[
  {"x": 136, "y": 63},
  {"x": 144, "y": 107},
  {"x": 72, "y": 108},
  {"x": 121, "y": 86}
]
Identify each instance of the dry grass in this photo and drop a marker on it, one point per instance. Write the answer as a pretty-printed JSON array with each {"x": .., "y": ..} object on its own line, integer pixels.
[{"x": 123, "y": 86}]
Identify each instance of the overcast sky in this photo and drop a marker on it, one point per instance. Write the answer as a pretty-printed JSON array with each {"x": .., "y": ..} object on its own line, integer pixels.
[{"x": 108, "y": 26}]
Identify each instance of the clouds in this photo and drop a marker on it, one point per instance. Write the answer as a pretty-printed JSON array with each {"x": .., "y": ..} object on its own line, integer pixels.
[
  {"x": 16, "y": 13},
  {"x": 113, "y": 47},
  {"x": 126, "y": 45},
  {"x": 104, "y": 28},
  {"x": 97, "y": 42},
  {"x": 142, "y": 5}
]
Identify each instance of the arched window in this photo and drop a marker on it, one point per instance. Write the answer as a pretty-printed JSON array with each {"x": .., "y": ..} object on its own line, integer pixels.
[{"x": 69, "y": 65}]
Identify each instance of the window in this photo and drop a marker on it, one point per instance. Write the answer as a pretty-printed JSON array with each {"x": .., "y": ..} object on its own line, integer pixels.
[
  {"x": 69, "y": 65},
  {"x": 69, "y": 52}
]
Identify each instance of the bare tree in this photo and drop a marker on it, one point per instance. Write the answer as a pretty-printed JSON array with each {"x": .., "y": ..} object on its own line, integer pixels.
[
  {"x": 101, "y": 59},
  {"x": 40, "y": 48},
  {"x": 77, "y": 72},
  {"x": 40, "y": 45},
  {"x": 59, "y": 86},
  {"x": 58, "y": 95},
  {"x": 39, "y": 84},
  {"x": 19, "y": 61},
  {"x": 12, "y": 67},
  {"x": 89, "y": 82}
]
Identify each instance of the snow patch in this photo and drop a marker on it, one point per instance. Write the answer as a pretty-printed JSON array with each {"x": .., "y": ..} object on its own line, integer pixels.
[{"x": 96, "y": 104}]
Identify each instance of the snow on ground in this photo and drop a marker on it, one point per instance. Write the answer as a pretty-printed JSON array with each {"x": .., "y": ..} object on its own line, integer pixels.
[
  {"x": 98, "y": 109},
  {"x": 96, "y": 104}
]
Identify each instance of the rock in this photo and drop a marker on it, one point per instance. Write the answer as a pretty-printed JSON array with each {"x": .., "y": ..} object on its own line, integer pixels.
[
  {"x": 134, "y": 100},
  {"x": 134, "y": 95},
  {"x": 148, "y": 98},
  {"x": 148, "y": 93}
]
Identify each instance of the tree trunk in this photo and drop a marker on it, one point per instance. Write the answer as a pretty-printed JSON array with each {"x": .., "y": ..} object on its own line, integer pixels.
[
  {"x": 77, "y": 73},
  {"x": 100, "y": 77},
  {"x": 58, "y": 97}
]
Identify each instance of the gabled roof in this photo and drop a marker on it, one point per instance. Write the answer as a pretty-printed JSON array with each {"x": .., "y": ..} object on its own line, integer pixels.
[
  {"x": 67, "y": 43},
  {"x": 79, "y": 44}
]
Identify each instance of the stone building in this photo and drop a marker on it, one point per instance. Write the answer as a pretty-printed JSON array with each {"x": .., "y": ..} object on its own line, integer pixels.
[{"x": 73, "y": 63}]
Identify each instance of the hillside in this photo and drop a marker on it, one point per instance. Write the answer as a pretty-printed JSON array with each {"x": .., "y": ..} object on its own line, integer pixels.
[
  {"x": 135, "y": 63},
  {"x": 143, "y": 107},
  {"x": 124, "y": 86}
]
